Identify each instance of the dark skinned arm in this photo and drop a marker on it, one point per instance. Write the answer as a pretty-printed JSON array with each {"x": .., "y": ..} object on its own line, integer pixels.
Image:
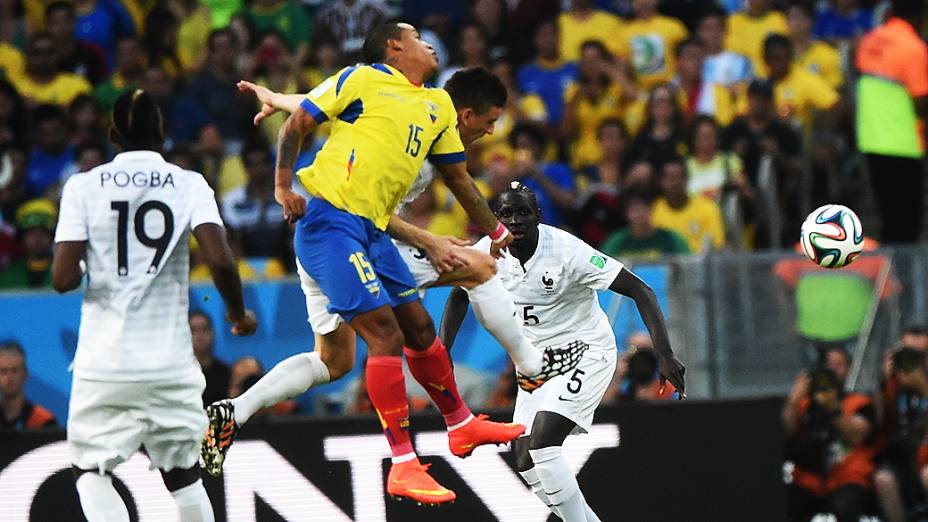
[
  {"x": 629, "y": 285},
  {"x": 66, "y": 266},
  {"x": 289, "y": 142},
  {"x": 453, "y": 317},
  {"x": 224, "y": 271},
  {"x": 465, "y": 190}
]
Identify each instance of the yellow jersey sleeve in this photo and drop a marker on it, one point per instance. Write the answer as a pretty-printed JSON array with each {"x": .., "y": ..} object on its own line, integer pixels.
[
  {"x": 335, "y": 96},
  {"x": 447, "y": 149}
]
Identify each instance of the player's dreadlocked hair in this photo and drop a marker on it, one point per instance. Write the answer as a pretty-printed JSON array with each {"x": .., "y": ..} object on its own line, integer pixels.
[
  {"x": 375, "y": 45},
  {"x": 476, "y": 88},
  {"x": 137, "y": 122}
]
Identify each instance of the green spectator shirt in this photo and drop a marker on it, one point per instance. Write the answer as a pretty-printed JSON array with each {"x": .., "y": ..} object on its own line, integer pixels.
[
  {"x": 662, "y": 242},
  {"x": 109, "y": 91},
  {"x": 18, "y": 276},
  {"x": 288, "y": 18}
]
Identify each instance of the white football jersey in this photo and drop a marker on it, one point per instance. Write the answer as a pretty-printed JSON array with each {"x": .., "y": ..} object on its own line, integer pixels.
[
  {"x": 556, "y": 290},
  {"x": 422, "y": 182},
  {"x": 135, "y": 214}
]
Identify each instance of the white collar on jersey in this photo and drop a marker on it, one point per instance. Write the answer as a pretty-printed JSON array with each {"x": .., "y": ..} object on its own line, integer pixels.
[{"x": 138, "y": 155}]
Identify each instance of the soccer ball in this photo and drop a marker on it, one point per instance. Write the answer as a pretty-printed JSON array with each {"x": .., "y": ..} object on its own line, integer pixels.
[{"x": 832, "y": 236}]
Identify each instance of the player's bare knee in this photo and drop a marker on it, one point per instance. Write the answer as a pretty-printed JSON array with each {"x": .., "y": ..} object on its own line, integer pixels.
[
  {"x": 180, "y": 478},
  {"x": 77, "y": 472},
  {"x": 338, "y": 363},
  {"x": 388, "y": 341},
  {"x": 420, "y": 337},
  {"x": 418, "y": 328},
  {"x": 380, "y": 331},
  {"x": 523, "y": 458}
]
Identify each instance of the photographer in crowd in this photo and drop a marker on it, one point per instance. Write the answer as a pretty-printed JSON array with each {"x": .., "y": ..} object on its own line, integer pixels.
[
  {"x": 636, "y": 374},
  {"x": 901, "y": 480},
  {"x": 829, "y": 441}
]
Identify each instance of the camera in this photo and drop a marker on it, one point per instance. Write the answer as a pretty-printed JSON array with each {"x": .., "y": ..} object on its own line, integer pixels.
[{"x": 642, "y": 367}]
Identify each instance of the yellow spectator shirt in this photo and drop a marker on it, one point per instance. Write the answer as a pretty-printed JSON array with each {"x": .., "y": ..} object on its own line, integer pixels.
[
  {"x": 585, "y": 149},
  {"x": 60, "y": 91},
  {"x": 383, "y": 128},
  {"x": 800, "y": 94},
  {"x": 823, "y": 60},
  {"x": 699, "y": 222},
  {"x": 600, "y": 26},
  {"x": 11, "y": 60},
  {"x": 649, "y": 45},
  {"x": 746, "y": 35}
]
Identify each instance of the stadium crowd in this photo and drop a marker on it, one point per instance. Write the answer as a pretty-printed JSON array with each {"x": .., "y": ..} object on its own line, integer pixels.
[{"x": 648, "y": 128}]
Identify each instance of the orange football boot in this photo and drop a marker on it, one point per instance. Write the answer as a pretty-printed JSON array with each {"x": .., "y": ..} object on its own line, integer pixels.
[
  {"x": 410, "y": 480},
  {"x": 481, "y": 431}
]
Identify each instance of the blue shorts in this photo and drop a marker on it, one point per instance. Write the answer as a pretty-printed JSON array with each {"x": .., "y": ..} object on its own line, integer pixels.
[{"x": 355, "y": 264}]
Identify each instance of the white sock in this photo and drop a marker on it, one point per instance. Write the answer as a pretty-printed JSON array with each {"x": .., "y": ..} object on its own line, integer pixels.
[
  {"x": 99, "y": 499},
  {"x": 534, "y": 483},
  {"x": 193, "y": 503},
  {"x": 495, "y": 310},
  {"x": 560, "y": 484},
  {"x": 288, "y": 379}
]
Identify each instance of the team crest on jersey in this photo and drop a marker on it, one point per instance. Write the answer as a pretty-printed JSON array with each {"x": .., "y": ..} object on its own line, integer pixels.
[
  {"x": 548, "y": 282},
  {"x": 432, "y": 110}
]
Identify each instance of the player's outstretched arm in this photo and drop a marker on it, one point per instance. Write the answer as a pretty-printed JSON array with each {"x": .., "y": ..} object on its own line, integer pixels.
[
  {"x": 451, "y": 319},
  {"x": 271, "y": 101},
  {"x": 224, "y": 270},
  {"x": 465, "y": 190},
  {"x": 441, "y": 250},
  {"x": 289, "y": 142},
  {"x": 66, "y": 266},
  {"x": 629, "y": 285}
]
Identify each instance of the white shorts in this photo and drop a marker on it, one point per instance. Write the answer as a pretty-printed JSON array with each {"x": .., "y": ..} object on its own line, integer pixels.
[
  {"x": 420, "y": 266},
  {"x": 317, "y": 304},
  {"x": 574, "y": 395},
  {"x": 110, "y": 421}
]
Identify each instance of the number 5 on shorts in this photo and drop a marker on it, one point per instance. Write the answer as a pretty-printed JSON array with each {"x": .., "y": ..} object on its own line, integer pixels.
[{"x": 365, "y": 270}]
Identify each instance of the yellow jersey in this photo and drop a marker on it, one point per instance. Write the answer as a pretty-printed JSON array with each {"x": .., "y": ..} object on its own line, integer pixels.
[
  {"x": 60, "y": 91},
  {"x": 746, "y": 35},
  {"x": 11, "y": 60},
  {"x": 600, "y": 26},
  {"x": 383, "y": 129},
  {"x": 650, "y": 46},
  {"x": 800, "y": 94},
  {"x": 823, "y": 60},
  {"x": 699, "y": 222},
  {"x": 584, "y": 149}
]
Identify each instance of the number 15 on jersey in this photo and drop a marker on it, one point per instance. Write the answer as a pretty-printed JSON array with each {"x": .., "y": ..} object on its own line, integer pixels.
[{"x": 413, "y": 142}]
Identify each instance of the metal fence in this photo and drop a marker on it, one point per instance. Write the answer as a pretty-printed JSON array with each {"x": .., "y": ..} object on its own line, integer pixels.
[{"x": 741, "y": 321}]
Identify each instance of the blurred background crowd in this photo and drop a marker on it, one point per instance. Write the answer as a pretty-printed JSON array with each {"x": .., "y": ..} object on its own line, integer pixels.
[{"x": 648, "y": 128}]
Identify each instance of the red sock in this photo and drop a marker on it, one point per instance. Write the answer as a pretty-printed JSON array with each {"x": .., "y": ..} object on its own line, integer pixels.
[
  {"x": 432, "y": 368},
  {"x": 386, "y": 388}
]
